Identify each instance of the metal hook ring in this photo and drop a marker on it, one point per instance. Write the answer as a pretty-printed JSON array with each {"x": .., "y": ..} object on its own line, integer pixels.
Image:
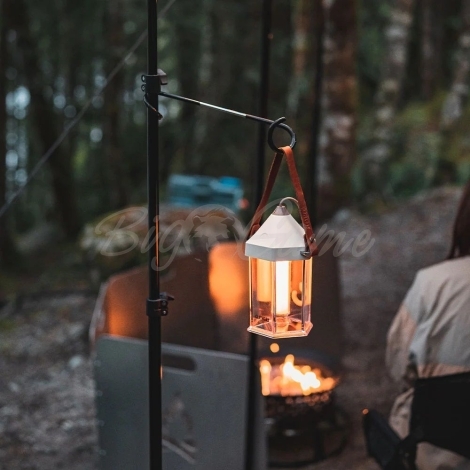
[
  {"x": 281, "y": 203},
  {"x": 280, "y": 123},
  {"x": 306, "y": 253}
]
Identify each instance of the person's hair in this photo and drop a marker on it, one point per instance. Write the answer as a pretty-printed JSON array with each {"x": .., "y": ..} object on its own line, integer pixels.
[{"x": 461, "y": 234}]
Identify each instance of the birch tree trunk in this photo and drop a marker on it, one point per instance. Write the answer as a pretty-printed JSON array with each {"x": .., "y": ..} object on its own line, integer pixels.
[
  {"x": 388, "y": 95},
  {"x": 338, "y": 132},
  {"x": 453, "y": 106}
]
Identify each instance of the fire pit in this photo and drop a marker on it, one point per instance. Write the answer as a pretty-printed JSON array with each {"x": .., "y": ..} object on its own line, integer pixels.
[{"x": 304, "y": 423}]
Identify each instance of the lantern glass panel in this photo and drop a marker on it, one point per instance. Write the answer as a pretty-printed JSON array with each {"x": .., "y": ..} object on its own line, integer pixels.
[{"x": 280, "y": 297}]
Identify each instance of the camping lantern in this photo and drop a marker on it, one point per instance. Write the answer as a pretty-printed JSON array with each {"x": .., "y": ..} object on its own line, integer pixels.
[{"x": 280, "y": 267}]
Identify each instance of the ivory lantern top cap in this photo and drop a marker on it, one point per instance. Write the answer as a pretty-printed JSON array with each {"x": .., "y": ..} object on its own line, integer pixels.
[{"x": 280, "y": 238}]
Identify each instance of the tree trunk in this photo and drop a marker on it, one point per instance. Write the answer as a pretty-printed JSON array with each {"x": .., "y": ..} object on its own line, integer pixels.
[
  {"x": 71, "y": 12},
  {"x": 427, "y": 50},
  {"x": 3, "y": 129},
  {"x": 211, "y": 37},
  {"x": 454, "y": 103},
  {"x": 282, "y": 55},
  {"x": 432, "y": 16},
  {"x": 301, "y": 54},
  {"x": 7, "y": 251},
  {"x": 427, "y": 46},
  {"x": 45, "y": 121},
  {"x": 388, "y": 94},
  {"x": 187, "y": 45},
  {"x": 305, "y": 93},
  {"x": 118, "y": 192},
  {"x": 3, "y": 111},
  {"x": 338, "y": 141},
  {"x": 315, "y": 105},
  {"x": 222, "y": 82}
]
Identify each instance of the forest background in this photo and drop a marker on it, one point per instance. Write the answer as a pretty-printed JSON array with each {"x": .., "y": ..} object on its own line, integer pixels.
[{"x": 394, "y": 114}]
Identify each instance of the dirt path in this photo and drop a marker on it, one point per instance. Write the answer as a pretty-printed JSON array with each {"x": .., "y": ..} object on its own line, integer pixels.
[
  {"x": 47, "y": 415},
  {"x": 46, "y": 388}
]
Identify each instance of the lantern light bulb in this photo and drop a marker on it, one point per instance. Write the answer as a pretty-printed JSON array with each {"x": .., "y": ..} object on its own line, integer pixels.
[{"x": 282, "y": 288}]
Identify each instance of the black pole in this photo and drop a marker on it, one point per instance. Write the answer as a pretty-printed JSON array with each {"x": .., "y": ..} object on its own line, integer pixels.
[
  {"x": 263, "y": 98},
  {"x": 253, "y": 390},
  {"x": 312, "y": 195},
  {"x": 154, "y": 319}
]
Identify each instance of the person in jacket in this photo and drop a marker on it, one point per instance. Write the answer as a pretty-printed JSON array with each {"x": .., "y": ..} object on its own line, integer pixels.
[{"x": 430, "y": 335}]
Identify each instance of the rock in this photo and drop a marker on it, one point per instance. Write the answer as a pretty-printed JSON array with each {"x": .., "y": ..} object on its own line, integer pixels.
[
  {"x": 75, "y": 361},
  {"x": 14, "y": 387}
]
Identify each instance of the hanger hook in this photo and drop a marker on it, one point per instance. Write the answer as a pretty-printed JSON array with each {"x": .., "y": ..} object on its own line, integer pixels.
[
  {"x": 280, "y": 123},
  {"x": 149, "y": 106}
]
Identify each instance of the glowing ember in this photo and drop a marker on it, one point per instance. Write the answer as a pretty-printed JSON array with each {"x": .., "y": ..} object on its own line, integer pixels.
[{"x": 288, "y": 379}]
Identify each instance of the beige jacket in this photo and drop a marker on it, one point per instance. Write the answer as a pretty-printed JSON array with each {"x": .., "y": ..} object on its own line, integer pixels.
[{"x": 430, "y": 336}]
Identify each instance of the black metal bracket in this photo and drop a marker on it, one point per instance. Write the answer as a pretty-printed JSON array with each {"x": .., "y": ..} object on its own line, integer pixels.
[
  {"x": 159, "y": 307},
  {"x": 153, "y": 83},
  {"x": 153, "y": 86}
]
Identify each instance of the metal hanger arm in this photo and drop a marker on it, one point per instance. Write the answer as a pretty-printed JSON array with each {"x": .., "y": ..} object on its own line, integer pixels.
[
  {"x": 217, "y": 108},
  {"x": 152, "y": 85},
  {"x": 273, "y": 124}
]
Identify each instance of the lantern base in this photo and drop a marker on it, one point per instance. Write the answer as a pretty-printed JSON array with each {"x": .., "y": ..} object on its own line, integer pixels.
[{"x": 267, "y": 330}]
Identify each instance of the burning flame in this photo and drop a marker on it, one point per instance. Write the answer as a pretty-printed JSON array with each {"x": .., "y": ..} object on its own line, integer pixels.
[{"x": 289, "y": 379}]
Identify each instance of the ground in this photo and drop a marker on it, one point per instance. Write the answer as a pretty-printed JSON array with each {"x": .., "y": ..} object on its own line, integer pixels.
[{"x": 47, "y": 414}]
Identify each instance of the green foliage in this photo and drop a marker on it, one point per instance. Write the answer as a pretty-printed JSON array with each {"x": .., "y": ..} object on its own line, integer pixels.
[
  {"x": 457, "y": 147},
  {"x": 423, "y": 155},
  {"x": 418, "y": 167},
  {"x": 418, "y": 149}
]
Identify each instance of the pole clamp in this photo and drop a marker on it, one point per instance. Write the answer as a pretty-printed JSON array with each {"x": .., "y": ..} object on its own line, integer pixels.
[
  {"x": 159, "y": 307},
  {"x": 153, "y": 83}
]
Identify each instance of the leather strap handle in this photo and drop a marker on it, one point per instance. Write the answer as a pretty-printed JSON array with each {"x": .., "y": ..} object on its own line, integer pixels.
[{"x": 311, "y": 246}]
